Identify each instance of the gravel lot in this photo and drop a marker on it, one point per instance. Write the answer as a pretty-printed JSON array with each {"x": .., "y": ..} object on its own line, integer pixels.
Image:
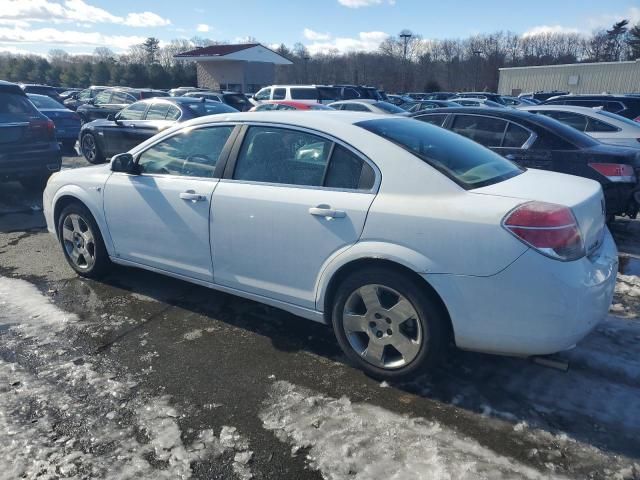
[{"x": 142, "y": 376}]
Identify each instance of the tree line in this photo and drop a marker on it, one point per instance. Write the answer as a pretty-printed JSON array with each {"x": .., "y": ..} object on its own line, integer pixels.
[{"x": 406, "y": 62}]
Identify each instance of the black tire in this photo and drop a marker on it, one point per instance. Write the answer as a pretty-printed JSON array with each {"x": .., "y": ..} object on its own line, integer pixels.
[
  {"x": 68, "y": 147},
  {"x": 35, "y": 184},
  {"x": 90, "y": 149},
  {"x": 432, "y": 320},
  {"x": 101, "y": 263}
]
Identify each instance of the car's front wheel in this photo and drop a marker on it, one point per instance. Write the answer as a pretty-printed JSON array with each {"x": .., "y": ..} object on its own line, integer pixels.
[
  {"x": 82, "y": 242},
  {"x": 387, "y": 324},
  {"x": 90, "y": 149}
]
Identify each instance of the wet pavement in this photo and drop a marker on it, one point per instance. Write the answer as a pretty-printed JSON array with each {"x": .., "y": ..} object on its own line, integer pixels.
[{"x": 143, "y": 376}]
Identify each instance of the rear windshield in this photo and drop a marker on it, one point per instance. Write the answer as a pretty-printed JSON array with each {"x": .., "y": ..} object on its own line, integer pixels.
[
  {"x": 570, "y": 134},
  {"x": 389, "y": 107},
  {"x": 304, "y": 94},
  {"x": 466, "y": 162},
  {"x": 237, "y": 101},
  {"x": 11, "y": 103},
  {"x": 42, "y": 101},
  {"x": 619, "y": 118},
  {"x": 328, "y": 93},
  {"x": 210, "y": 107}
]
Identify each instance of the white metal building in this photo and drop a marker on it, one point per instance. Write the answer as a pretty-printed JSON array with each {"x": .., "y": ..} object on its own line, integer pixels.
[{"x": 610, "y": 77}]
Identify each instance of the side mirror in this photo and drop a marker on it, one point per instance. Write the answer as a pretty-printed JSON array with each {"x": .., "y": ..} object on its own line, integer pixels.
[
  {"x": 112, "y": 117},
  {"x": 91, "y": 101},
  {"x": 124, "y": 163}
]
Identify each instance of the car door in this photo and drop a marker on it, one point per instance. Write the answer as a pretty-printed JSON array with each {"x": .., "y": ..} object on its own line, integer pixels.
[
  {"x": 516, "y": 146},
  {"x": 91, "y": 111},
  {"x": 131, "y": 123},
  {"x": 290, "y": 200},
  {"x": 159, "y": 218}
]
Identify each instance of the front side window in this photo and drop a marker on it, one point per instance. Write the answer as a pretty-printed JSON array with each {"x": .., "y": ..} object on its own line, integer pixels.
[
  {"x": 467, "y": 163},
  {"x": 264, "y": 94},
  {"x": 278, "y": 155},
  {"x": 487, "y": 131},
  {"x": 304, "y": 94},
  {"x": 133, "y": 112},
  {"x": 279, "y": 93},
  {"x": 84, "y": 95},
  {"x": 192, "y": 153}
]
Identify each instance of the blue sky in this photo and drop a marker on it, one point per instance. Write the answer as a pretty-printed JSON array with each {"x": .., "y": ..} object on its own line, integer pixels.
[{"x": 79, "y": 26}]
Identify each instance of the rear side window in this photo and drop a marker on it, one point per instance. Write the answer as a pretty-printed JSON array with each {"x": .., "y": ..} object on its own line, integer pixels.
[
  {"x": 304, "y": 94},
  {"x": 516, "y": 136},
  {"x": 594, "y": 125},
  {"x": 487, "y": 131},
  {"x": 468, "y": 164},
  {"x": 13, "y": 104},
  {"x": 355, "y": 107},
  {"x": 133, "y": 112},
  {"x": 434, "y": 119},
  {"x": 347, "y": 170},
  {"x": 173, "y": 113},
  {"x": 157, "y": 111},
  {"x": 279, "y": 93},
  {"x": 103, "y": 98}
]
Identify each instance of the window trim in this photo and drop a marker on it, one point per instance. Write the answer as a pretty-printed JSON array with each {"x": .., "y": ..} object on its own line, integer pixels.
[
  {"x": 142, "y": 118},
  {"x": 235, "y": 153},
  {"x": 220, "y": 165}
]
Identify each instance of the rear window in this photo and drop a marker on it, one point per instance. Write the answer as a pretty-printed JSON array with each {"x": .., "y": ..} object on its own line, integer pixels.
[
  {"x": 304, "y": 94},
  {"x": 619, "y": 118},
  {"x": 42, "y": 101},
  {"x": 210, "y": 108},
  {"x": 467, "y": 163},
  {"x": 237, "y": 101},
  {"x": 12, "y": 104},
  {"x": 328, "y": 93},
  {"x": 389, "y": 107}
]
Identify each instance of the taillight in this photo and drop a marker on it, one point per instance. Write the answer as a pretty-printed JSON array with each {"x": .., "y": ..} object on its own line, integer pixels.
[
  {"x": 548, "y": 228},
  {"x": 42, "y": 129},
  {"x": 615, "y": 172},
  {"x": 637, "y": 119}
]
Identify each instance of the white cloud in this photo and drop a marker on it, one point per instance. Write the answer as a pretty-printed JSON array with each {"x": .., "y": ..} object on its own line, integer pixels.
[
  {"x": 202, "y": 27},
  {"x": 608, "y": 19},
  {"x": 546, "y": 29},
  {"x": 364, "y": 3},
  {"x": 315, "y": 36},
  {"x": 366, "y": 41},
  {"x": 72, "y": 11},
  {"x": 12, "y": 49},
  {"x": 67, "y": 37}
]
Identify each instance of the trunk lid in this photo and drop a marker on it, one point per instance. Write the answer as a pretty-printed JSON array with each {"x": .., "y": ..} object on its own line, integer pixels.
[{"x": 583, "y": 196}]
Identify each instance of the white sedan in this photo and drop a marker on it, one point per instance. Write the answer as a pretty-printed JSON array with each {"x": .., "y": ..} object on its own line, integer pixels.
[
  {"x": 604, "y": 126},
  {"x": 401, "y": 235}
]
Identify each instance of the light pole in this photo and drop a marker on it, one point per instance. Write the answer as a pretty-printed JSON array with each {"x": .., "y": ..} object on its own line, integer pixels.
[
  {"x": 476, "y": 54},
  {"x": 306, "y": 59},
  {"x": 405, "y": 35}
]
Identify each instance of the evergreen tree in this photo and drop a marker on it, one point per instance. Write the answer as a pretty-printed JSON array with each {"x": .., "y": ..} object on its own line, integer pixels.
[{"x": 633, "y": 40}]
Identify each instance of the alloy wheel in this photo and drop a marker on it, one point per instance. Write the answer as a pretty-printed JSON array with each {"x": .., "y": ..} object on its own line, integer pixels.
[
  {"x": 79, "y": 241},
  {"x": 89, "y": 147},
  {"x": 382, "y": 326}
]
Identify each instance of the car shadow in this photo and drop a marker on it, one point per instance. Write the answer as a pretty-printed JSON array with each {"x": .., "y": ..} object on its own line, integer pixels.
[{"x": 596, "y": 402}]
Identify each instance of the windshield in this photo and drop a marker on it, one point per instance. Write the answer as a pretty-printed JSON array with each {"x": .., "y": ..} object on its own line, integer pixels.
[
  {"x": 238, "y": 101},
  {"x": 210, "y": 107},
  {"x": 42, "y": 101},
  {"x": 389, "y": 107},
  {"x": 466, "y": 162},
  {"x": 619, "y": 118}
]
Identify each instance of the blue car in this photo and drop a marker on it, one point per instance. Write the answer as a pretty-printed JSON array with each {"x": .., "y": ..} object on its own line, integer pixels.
[{"x": 67, "y": 122}]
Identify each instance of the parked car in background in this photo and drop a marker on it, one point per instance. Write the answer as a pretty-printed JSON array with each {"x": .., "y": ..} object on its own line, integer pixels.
[
  {"x": 82, "y": 97},
  {"x": 626, "y": 105},
  {"x": 42, "y": 90},
  {"x": 494, "y": 97},
  {"x": 112, "y": 100},
  {"x": 604, "y": 126},
  {"x": 287, "y": 105},
  {"x": 439, "y": 96},
  {"x": 427, "y": 104},
  {"x": 372, "y": 106},
  {"x": 399, "y": 99},
  {"x": 517, "y": 102},
  {"x": 537, "y": 141},
  {"x": 355, "y": 92},
  {"x": 298, "y": 93},
  {"x": 67, "y": 122},
  {"x": 402, "y": 236},
  {"x": 416, "y": 95},
  {"x": 234, "y": 99},
  {"x": 69, "y": 92},
  {"x": 476, "y": 102},
  {"x": 179, "y": 91},
  {"x": 29, "y": 151},
  {"x": 541, "y": 96},
  {"x": 139, "y": 121}
]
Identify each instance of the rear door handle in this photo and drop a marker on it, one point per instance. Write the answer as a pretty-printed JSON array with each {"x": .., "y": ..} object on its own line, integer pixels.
[
  {"x": 326, "y": 211},
  {"x": 192, "y": 196}
]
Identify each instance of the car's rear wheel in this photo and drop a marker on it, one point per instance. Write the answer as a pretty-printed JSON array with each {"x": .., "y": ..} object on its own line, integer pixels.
[
  {"x": 387, "y": 324},
  {"x": 82, "y": 242},
  {"x": 90, "y": 149}
]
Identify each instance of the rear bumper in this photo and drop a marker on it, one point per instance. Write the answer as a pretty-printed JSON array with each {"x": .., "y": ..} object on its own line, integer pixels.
[
  {"x": 536, "y": 306},
  {"x": 30, "y": 162}
]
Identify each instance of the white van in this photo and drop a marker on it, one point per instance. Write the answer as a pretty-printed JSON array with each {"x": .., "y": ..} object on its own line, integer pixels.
[{"x": 297, "y": 93}]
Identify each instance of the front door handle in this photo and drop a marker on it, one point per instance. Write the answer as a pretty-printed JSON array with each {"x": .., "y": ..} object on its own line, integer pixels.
[
  {"x": 326, "y": 211},
  {"x": 192, "y": 196}
]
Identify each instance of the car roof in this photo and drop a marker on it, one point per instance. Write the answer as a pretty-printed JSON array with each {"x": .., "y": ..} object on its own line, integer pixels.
[
  {"x": 291, "y": 103},
  {"x": 11, "y": 87},
  {"x": 595, "y": 96},
  {"x": 369, "y": 101}
]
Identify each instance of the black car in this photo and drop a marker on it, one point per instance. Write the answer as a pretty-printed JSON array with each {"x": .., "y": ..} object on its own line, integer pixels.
[
  {"x": 234, "y": 99},
  {"x": 541, "y": 96},
  {"x": 354, "y": 92},
  {"x": 427, "y": 105},
  {"x": 139, "y": 121},
  {"x": 438, "y": 96},
  {"x": 67, "y": 122},
  {"x": 494, "y": 97},
  {"x": 625, "y": 105},
  {"x": 42, "y": 90},
  {"x": 112, "y": 100},
  {"x": 537, "y": 141},
  {"x": 29, "y": 151},
  {"x": 73, "y": 101}
]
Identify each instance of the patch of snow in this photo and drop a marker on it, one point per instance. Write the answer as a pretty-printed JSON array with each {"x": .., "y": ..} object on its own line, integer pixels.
[
  {"x": 359, "y": 441},
  {"x": 193, "y": 334},
  {"x": 628, "y": 285},
  {"x": 384, "y": 385}
]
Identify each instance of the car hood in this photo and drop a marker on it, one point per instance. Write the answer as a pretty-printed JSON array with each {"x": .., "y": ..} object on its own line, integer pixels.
[{"x": 582, "y": 195}]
